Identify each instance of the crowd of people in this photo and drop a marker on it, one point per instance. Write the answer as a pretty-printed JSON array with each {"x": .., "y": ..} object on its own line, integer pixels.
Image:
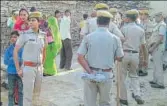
[
  {"x": 108, "y": 37},
  {"x": 139, "y": 39}
]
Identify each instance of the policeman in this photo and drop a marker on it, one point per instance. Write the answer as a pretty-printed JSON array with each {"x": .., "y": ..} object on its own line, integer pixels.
[
  {"x": 33, "y": 42},
  {"x": 124, "y": 21},
  {"x": 91, "y": 24},
  {"x": 156, "y": 49},
  {"x": 134, "y": 39},
  {"x": 99, "y": 58},
  {"x": 116, "y": 16},
  {"x": 147, "y": 25}
]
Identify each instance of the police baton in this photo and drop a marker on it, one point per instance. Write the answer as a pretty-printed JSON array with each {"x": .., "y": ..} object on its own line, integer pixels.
[{"x": 118, "y": 81}]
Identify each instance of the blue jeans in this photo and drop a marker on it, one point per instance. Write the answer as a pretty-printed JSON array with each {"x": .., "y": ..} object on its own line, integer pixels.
[{"x": 12, "y": 80}]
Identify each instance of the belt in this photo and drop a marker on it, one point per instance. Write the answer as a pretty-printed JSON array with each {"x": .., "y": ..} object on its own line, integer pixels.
[
  {"x": 104, "y": 70},
  {"x": 131, "y": 51},
  {"x": 30, "y": 64}
]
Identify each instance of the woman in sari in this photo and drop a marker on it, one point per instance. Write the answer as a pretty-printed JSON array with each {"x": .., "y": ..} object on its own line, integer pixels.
[
  {"x": 22, "y": 21},
  {"x": 53, "y": 48}
]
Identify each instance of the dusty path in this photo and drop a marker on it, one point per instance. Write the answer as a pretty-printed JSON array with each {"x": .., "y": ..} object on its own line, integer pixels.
[{"x": 67, "y": 89}]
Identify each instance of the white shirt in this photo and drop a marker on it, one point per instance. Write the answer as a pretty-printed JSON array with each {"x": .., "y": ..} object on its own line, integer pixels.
[{"x": 65, "y": 28}]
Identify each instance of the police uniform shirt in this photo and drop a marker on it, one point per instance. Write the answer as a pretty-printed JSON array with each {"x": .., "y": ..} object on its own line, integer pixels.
[
  {"x": 101, "y": 47},
  {"x": 159, "y": 29},
  {"x": 113, "y": 28},
  {"x": 91, "y": 26},
  {"x": 134, "y": 37},
  {"x": 33, "y": 44}
]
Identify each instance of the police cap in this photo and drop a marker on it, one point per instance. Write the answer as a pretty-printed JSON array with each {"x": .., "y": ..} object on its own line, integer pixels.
[
  {"x": 35, "y": 14},
  {"x": 113, "y": 10},
  {"x": 101, "y": 6},
  {"x": 103, "y": 13}
]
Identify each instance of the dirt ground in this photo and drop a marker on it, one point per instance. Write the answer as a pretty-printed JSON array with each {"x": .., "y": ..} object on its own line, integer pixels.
[{"x": 66, "y": 89}]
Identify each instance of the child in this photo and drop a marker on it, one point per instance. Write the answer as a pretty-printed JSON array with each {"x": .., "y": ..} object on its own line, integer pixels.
[{"x": 13, "y": 78}]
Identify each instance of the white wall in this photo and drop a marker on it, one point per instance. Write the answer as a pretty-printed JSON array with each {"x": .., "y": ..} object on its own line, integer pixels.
[{"x": 158, "y": 6}]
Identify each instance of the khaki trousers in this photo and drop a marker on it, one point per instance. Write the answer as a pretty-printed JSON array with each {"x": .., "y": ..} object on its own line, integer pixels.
[
  {"x": 32, "y": 80},
  {"x": 91, "y": 90},
  {"x": 129, "y": 63},
  {"x": 158, "y": 69},
  {"x": 141, "y": 67}
]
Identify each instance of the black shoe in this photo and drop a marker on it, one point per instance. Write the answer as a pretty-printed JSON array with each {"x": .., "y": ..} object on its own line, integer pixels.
[
  {"x": 45, "y": 75},
  {"x": 164, "y": 67},
  {"x": 16, "y": 103},
  {"x": 138, "y": 99},
  {"x": 61, "y": 68},
  {"x": 5, "y": 85},
  {"x": 124, "y": 102},
  {"x": 141, "y": 73},
  {"x": 151, "y": 60},
  {"x": 158, "y": 86},
  {"x": 152, "y": 82},
  {"x": 68, "y": 69}
]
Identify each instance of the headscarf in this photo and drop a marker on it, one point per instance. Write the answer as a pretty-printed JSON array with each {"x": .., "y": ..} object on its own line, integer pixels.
[{"x": 53, "y": 25}]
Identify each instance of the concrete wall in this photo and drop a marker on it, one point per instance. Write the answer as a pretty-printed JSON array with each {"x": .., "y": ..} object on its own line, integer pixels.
[{"x": 48, "y": 7}]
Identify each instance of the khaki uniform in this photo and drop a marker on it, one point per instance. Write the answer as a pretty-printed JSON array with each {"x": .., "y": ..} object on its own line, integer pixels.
[
  {"x": 148, "y": 27},
  {"x": 100, "y": 48},
  {"x": 134, "y": 38},
  {"x": 160, "y": 29},
  {"x": 113, "y": 28},
  {"x": 117, "y": 20},
  {"x": 91, "y": 26},
  {"x": 33, "y": 44}
]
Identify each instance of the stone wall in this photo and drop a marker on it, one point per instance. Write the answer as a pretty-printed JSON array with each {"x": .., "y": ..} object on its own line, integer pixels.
[{"x": 48, "y": 7}]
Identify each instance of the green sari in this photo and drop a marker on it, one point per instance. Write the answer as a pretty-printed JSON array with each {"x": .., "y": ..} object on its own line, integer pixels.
[{"x": 53, "y": 48}]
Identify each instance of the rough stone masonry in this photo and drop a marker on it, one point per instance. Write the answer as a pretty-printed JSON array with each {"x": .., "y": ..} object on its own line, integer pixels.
[{"x": 48, "y": 7}]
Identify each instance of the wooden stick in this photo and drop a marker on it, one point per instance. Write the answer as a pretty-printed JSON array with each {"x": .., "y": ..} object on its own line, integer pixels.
[{"x": 118, "y": 80}]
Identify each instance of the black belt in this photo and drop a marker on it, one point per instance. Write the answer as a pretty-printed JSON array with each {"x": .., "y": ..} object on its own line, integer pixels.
[
  {"x": 105, "y": 70},
  {"x": 131, "y": 51}
]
